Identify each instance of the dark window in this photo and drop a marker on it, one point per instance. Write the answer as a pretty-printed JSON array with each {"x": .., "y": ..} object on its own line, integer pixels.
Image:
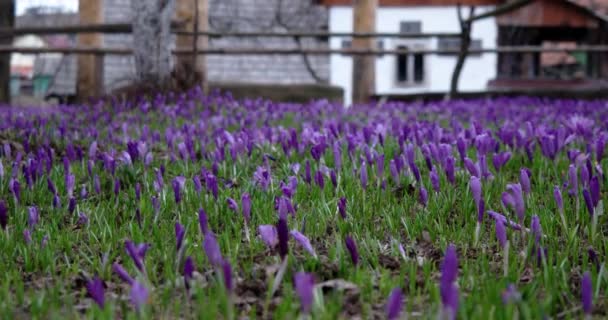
[
  {"x": 418, "y": 67},
  {"x": 410, "y": 27},
  {"x": 346, "y": 44},
  {"x": 402, "y": 65}
]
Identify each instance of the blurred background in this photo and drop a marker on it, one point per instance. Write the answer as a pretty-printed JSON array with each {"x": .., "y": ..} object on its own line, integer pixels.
[{"x": 344, "y": 50}]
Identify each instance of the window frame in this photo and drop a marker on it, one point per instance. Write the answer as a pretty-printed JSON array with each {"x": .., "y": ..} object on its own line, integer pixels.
[{"x": 412, "y": 44}]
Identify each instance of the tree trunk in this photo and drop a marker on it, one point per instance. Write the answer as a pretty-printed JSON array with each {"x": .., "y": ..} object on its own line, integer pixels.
[
  {"x": 152, "y": 40},
  {"x": 364, "y": 68},
  {"x": 465, "y": 43},
  {"x": 90, "y": 67},
  {"x": 7, "y": 20}
]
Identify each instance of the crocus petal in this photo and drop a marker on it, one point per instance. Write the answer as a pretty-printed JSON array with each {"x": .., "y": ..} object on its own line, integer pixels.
[
  {"x": 303, "y": 241},
  {"x": 268, "y": 234},
  {"x": 179, "y": 235},
  {"x": 95, "y": 289},
  {"x": 246, "y": 207},
  {"x": 394, "y": 304},
  {"x": 351, "y": 246},
  {"x": 212, "y": 249},
  {"x": 304, "y": 284},
  {"x": 139, "y": 295},
  {"x": 122, "y": 273}
]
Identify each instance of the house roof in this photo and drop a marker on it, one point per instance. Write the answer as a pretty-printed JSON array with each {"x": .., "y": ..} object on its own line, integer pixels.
[{"x": 403, "y": 3}]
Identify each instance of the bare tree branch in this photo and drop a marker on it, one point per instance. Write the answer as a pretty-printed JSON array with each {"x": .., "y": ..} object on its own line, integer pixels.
[{"x": 504, "y": 8}]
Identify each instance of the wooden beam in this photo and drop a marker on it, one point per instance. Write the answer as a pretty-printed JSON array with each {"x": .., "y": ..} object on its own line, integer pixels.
[
  {"x": 295, "y": 51},
  {"x": 501, "y": 9},
  {"x": 193, "y": 16},
  {"x": 7, "y": 19},
  {"x": 178, "y": 29},
  {"x": 364, "y": 70},
  {"x": 89, "y": 79}
]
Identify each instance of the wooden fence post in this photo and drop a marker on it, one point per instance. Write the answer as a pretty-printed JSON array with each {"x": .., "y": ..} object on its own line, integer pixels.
[
  {"x": 90, "y": 67},
  {"x": 7, "y": 20},
  {"x": 193, "y": 15},
  {"x": 364, "y": 66}
]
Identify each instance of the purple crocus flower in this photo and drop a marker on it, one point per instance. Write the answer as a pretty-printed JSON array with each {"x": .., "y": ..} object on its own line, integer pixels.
[
  {"x": 96, "y": 184},
  {"x": 15, "y": 188},
  {"x": 211, "y": 181},
  {"x": 337, "y": 156},
  {"x": 268, "y": 234},
  {"x": 588, "y": 202},
  {"x": 246, "y": 207},
  {"x": 56, "y": 201},
  {"x": 585, "y": 175},
  {"x": 227, "y": 273},
  {"x": 447, "y": 286},
  {"x": 71, "y": 205},
  {"x": 212, "y": 249},
  {"x": 333, "y": 178},
  {"x": 587, "y": 293},
  {"x": 471, "y": 167},
  {"x": 435, "y": 180},
  {"x": 51, "y": 186},
  {"x": 501, "y": 233},
  {"x": 573, "y": 181},
  {"x": 70, "y": 181},
  {"x": 176, "y": 190},
  {"x": 27, "y": 236},
  {"x": 342, "y": 207},
  {"x": 198, "y": 187},
  {"x": 594, "y": 189},
  {"x": 394, "y": 304},
  {"x": 133, "y": 252},
  {"x": 363, "y": 175},
  {"x": 319, "y": 179},
  {"x": 137, "y": 191},
  {"x": 202, "y": 221},
  {"x": 95, "y": 290},
  {"x": 392, "y": 166},
  {"x": 307, "y": 173},
  {"x": 557, "y": 194},
  {"x": 449, "y": 169},
  {"x": 32, "y": 217},
  {"x": 303, "y": 241},
  {"x": 122, "y": 273},
  {"x": 510, "y": 295},
  {"x": 351, "y": 246},
  {"x": 524, "y": 180},
  {"x": 536, "y": 229},
  {"x": 179, "y": 235},
  {"x": 82, "y": 219},
  {"x": 139, "y": 295},
  {"x": 262, "y": 177},
  {"x": 188, "y": 270},
  {"x": 380, "y": 166},
  {"x": 232, "y": 205},
  {"x": 518, "y": 200},
  {"x": 304, "y": 284},
  {"x": 423, "y": 196},
  {"x": 283, "y": 237},
  {"x": 475, "y": 184},
  {"x": 3, "y": 214}
]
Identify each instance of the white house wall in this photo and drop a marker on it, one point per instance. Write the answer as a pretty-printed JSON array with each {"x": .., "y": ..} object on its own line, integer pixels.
[{"x": 438, "y": 69}]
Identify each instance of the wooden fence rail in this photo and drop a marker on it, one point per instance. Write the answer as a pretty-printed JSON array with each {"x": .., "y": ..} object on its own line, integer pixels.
[
  {"x": 177, "y": 29},
  {"x": 297, "y": 51}
]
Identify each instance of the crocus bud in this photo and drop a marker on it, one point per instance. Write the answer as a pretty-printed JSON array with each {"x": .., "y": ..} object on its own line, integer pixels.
[
  {"x": 283, "y": 236},
  {"x": 139, "y": 295},
  {"x": 212, "y": 249},
  {"x": 394, "y": 304},
  {"x": 587, "y": 293},
  {"x": 351, "y": 246},
  {"x": 246, "y": 207}
]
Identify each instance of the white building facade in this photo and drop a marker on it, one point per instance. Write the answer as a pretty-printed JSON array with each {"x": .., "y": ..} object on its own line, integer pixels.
[{"x": 409, "y": 74}]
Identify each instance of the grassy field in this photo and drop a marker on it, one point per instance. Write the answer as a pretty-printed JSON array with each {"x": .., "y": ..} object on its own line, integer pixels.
[{"x": 210, "y": 208}]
